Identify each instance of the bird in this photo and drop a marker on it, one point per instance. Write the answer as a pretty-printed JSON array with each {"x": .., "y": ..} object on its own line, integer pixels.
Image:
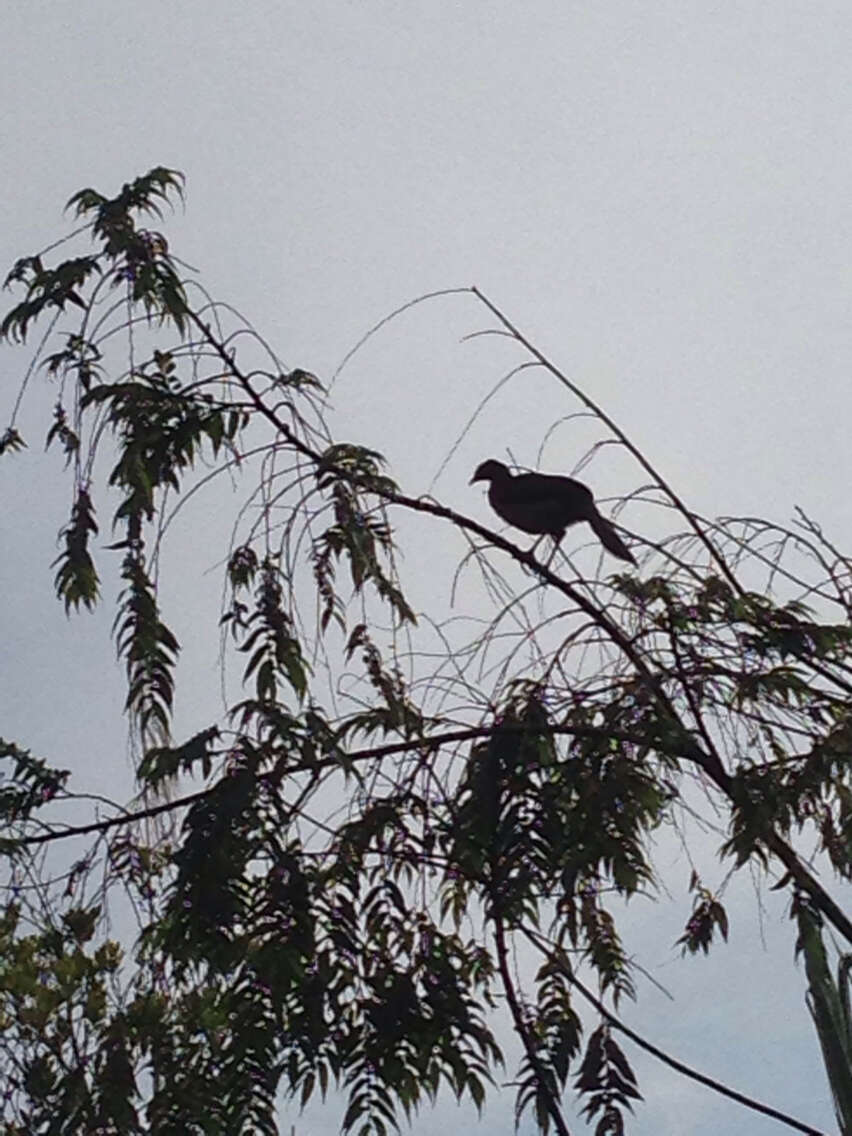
[{"x": 542, "y": 504}]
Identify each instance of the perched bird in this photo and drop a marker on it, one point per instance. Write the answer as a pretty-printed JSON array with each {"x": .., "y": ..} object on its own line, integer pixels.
[{"x": 541, "y": 504}]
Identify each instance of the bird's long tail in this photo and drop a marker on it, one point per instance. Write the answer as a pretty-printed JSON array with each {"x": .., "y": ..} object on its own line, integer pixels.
[{"x": 609, "y": 538}]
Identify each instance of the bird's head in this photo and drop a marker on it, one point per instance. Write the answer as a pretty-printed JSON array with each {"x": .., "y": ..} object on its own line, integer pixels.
[{"x": 490, "y": 470}]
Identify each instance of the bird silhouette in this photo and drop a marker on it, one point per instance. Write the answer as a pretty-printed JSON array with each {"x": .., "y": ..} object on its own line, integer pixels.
[{"x": 545, "y": 505}]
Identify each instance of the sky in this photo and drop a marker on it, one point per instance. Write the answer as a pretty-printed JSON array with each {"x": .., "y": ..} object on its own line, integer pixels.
[{"x": 655, "y": 193}]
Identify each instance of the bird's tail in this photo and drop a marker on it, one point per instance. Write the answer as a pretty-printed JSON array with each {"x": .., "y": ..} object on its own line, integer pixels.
[{"x": 609, "y": 538}]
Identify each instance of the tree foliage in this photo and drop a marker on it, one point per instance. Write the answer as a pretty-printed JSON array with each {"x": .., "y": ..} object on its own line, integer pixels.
[{"x": 378, "y": 835}]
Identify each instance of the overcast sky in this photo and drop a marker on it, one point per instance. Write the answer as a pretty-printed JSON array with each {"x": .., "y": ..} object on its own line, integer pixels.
[{"x": 656, "y": 193}]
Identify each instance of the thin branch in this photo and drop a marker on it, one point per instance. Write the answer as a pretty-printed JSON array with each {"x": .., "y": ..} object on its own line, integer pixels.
[
  {"x": 545, "y": 1081},
  {"x": 428, "y": 741},
  {"x": 679, "y": 1066}
]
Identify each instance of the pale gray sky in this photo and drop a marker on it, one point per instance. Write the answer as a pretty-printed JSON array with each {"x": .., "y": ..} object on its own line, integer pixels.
[{"x": 656, "y": 192}]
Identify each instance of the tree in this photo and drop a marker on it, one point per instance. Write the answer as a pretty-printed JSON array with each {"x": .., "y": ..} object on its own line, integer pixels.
[{"x": 502, "y": 798}]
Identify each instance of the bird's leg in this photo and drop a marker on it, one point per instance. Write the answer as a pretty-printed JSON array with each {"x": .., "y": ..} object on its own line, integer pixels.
[
  {"x": 555, "y": 549},
  {"x": 536, "y": 543},
  {"x": 553, "y": 552}
]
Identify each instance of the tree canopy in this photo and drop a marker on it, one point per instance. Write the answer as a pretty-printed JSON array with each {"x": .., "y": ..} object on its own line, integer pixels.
[{"x": 399, "y": 804}]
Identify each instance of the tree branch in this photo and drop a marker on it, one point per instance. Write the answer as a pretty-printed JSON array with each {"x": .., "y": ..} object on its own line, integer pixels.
[
  {"x": 693, "y": 1074},
  {"x": 428, "y": 741},
  {"x": 542, "y": 1076}
]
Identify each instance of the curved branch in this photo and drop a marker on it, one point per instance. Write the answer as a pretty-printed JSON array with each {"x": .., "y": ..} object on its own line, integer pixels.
[
  {"x": 679, "y": 1066},
  {"x": 542, "y": 1076},
  {"x": 429, "y": 741}
]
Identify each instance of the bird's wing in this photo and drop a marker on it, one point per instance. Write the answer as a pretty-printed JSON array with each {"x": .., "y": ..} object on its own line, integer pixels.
[
  {"x": 539, "y": 503},
  {"x": 573, "y": 498}
]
